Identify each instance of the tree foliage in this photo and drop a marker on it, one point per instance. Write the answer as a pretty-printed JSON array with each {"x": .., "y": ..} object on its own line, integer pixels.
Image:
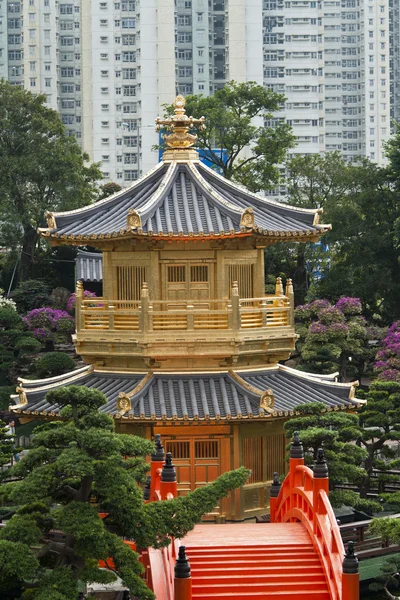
[
  {"x": 42, "y": 169},
  {"x": 388, "y": 356},
  {"x": 336, "y": 432},
  {"x": 364, "y": 250},
  {"x": 380, "y": 422},
  {"x": 6, "y": 445},
  {"x": 236, "y": 121},
  {"x": 331, "y": 335},
  {"x": 388, "y": 578},
  {"x": 76, "y": 469},
  {"x": 17, "y": 345}
]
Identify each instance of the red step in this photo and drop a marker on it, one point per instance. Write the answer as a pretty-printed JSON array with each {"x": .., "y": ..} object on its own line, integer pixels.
[
  {"x": 263, "y": 578},
  {"x": 259, "y": 569},
  {"x": 306, "y": 594}
]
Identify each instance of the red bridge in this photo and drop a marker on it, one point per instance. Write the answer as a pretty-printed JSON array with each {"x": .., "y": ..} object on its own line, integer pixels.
[{"x": 299, "y": 554}]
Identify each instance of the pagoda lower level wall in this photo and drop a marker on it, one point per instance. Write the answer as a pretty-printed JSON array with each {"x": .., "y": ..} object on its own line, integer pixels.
[{"x": 203, "y": 452}]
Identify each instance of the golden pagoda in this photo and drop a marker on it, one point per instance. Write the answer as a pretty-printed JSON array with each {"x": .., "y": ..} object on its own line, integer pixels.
[{"x": 184, "y": 341}]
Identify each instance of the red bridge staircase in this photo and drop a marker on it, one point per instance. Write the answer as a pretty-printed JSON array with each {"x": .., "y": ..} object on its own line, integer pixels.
[{"x": 300, "y": 554}]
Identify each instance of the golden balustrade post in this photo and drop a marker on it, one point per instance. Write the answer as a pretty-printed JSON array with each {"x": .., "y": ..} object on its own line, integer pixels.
[
  {"x": 144, "y": 309},
  {"x": 278, "y": 287},
  {"x": 79, "y": 296},
  {"x": 290, "y": 295},
  {"x": 264, "y": 312},
  {"x": 235, "y": 302}
]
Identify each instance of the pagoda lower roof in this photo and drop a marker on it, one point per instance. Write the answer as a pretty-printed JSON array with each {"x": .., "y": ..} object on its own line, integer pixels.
[
  {"x": 89, "y": 266},
  {"x": 183, "y": 199},
  {"x": 237, "y": 395}
]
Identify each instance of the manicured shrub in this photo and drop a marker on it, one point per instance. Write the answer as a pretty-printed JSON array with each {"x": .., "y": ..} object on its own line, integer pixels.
[
  {"x": 45, "y": 323},
  {"x": 9, "y": 319},
  {"x": 65, "y": 325},
  {"x": 28, "y": 345},
  {"x": 31, "y": 294},
  {"x": 54, "y": 363}
]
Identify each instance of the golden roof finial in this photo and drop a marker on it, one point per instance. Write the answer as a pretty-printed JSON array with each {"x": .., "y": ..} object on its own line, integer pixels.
[{"x": 179, "y": 125}]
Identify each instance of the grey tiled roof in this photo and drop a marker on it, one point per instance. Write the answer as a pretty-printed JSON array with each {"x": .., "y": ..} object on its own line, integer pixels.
[
  {"x": 291, "y": 390},
  {"x": 195, "y": 396},
  {"x": 89, "y": 266},
  {"x": 186, "y": 199}
]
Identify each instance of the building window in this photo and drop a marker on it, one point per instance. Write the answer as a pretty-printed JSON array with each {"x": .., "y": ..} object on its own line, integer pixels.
[
  {"x": 66, "y": 9},
  {"x": 129, "y": 73},
  {"x": 129, "y": 90},
  {"x": 128, "y": 23}
]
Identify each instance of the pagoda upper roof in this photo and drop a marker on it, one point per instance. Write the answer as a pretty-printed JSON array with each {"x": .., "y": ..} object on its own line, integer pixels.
[
  {"x": 183, "y": 199},
  {"x": 236, "y": 395}
]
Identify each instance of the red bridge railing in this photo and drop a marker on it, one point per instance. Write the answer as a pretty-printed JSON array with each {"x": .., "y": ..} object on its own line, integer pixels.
[{"x": 303, "y": 496}]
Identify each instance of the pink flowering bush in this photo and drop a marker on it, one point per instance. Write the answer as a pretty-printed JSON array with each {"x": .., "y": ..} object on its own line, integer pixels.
[
  {"x": 331, "y": 334},
  {"x": 72, "y": 300},
  {"x": 49, "y": 324},
  {"x": 387, "y": 363}
]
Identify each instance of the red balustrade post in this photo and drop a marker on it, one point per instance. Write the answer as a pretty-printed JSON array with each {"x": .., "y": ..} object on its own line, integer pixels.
[
  {"x": 273, "y": 497},
  {"x": 157, "y": 461},
  {"x": 296, "y": 459},
  {"x": 182, "y": 580},
  {"x": 320, "y": 482},
  {"x": 168, "y": 484},
  {"x": 350, "y": 576}
]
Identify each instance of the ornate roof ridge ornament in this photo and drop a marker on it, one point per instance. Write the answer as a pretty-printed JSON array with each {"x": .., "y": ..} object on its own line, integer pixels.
[{"x": 179, "y": 141}]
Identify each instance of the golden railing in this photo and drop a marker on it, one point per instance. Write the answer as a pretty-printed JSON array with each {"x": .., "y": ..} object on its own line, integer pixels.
[{"x": 147, "y": 315}]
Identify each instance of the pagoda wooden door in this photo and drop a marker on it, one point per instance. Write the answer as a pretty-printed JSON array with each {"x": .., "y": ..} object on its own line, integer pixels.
[
  {"x": 188, "y": 280},
  {"x": 199, "y": 458},
  {"x": 197, "y": 462}
]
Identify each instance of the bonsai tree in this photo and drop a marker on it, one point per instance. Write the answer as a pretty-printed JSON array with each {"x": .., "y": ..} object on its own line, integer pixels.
[
  {"x": 331, "y": 335},
  {"x": 6, "y": 445},
  {"x": 336, "y": 432},
  {"x": 77, "y": 468},
  {"x": 380, "y": 419},
  {"x": 16, "y": 345}
]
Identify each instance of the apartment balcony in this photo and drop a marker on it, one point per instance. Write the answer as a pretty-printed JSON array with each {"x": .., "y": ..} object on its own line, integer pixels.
[{"x": 162, "y": 333}]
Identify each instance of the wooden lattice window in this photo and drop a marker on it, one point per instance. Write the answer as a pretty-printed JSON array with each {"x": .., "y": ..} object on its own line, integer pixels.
[
  {"x": 275, "y": 446},
  {"x": 179, "y": 450},
  {"x": 206, "y": 449},
  {"x": 198, "y": 273},
  {"x": 243, "y": 274},
  {"x": 130, "y": 281},
  {"x": 253, "y": 458},
  {"x": 176, "y": 274}
]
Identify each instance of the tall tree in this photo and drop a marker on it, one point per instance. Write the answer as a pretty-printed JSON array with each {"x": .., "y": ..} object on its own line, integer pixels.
[
  {"x": 364, "y": 244},
  {"x": 41, "y": 169},
  {"x": 314, "y": 181},
  {"x": 237, "y": 119},
  {"x": 71, "y": 465}
]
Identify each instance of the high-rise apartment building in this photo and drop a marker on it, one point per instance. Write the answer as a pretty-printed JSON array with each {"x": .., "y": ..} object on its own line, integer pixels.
[
  {"x": 331, "y": 60},
  {"x": 108, "y": 66}
]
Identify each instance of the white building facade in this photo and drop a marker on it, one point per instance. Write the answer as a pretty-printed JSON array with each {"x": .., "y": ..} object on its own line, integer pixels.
[{"x": 108, "y": 66}]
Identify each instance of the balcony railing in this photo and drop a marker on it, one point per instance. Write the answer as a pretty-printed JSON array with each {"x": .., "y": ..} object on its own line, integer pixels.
[{"x": 148, "y": 315}]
